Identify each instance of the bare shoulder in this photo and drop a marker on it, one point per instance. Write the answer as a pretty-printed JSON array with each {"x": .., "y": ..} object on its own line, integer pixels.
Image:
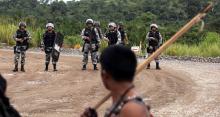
[{"x": 133, "y": 109}]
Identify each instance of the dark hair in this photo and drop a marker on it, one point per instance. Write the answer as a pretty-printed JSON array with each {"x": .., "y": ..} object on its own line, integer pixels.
[
  {"x": 120, "y": 62},
  {"x": 3, "y": 85}
]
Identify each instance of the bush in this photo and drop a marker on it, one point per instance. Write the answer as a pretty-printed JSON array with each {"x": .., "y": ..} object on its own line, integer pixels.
[
  {"x": 72, "y": 41},
  {"x": 37, "y": 36}
]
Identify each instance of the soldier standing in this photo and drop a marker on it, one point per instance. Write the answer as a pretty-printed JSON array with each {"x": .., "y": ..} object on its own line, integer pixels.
[
  {"x": 22, "y": 38},
  {"x": 154, "y": 41},
  {"x": 97, "y": 26},
  {"x": 91, "y": 43},
  {"x": 113, "y": 36},
  {"x": 124, "y": 37}
]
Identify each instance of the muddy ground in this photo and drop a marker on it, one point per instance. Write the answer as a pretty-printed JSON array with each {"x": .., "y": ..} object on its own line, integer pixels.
[{"x": 180, "y": 89}]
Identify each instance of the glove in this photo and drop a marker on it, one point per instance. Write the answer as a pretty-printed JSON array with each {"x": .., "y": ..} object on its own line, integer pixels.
[{"x": 90, "y": 112}]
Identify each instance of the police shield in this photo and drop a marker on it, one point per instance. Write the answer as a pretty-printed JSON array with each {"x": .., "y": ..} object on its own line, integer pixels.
[{"x": 57, "y": 46}]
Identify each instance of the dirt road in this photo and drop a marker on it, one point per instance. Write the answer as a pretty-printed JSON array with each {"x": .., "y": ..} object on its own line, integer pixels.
[{"x": 181, "y": 89}]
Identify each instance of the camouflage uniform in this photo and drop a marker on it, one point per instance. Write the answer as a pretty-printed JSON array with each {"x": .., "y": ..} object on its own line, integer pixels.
[
  {"x": 154, "y": 41},
  {"x": 21, "y": 47},
  {"x": 90, "y": 45}
]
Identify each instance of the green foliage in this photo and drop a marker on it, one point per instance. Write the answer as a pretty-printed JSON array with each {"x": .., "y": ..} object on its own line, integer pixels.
[
  {"x": 37, "y": 36},
  {"x": 6, "y": 33},
  {"x": 104, "y": 44},
  {"x": 210, "y": 47},
  {"x": 71, "y": 41}
]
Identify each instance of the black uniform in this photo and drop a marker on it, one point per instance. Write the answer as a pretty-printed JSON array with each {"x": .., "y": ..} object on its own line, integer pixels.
[
  {"x": 114, "y": 37},
  {"x": 48, "y": 44}
]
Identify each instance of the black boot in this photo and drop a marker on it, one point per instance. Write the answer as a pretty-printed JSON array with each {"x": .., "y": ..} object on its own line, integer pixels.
[
  {"x": 46, "y": 68},
  {"x": 148, "y": 66},
  {"x": 158, "y": 66},
  {"x": 95, "y": 67},
  {"x": 22, "y": 68},
  {"x": 16, "y": 68},
  {"x": 84, "y": 67},
  {"x": 54, "y": 67}
]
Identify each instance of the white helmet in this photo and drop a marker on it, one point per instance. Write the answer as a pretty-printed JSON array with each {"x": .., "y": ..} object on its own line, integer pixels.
[
  {"x": 112, "y": 24},
  {"x": 154, "y": 25},
  {"x": 89, "y": 21},
  {"x": 50, "y": 25}
]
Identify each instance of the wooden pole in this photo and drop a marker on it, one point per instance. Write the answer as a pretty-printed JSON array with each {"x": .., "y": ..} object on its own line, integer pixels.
[{"x": 182, "y": 31}]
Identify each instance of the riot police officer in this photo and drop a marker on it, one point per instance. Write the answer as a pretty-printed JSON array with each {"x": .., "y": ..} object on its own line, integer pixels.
[
  {"x": 47, "y": 45},
  {"x": 113, "y": 36}
]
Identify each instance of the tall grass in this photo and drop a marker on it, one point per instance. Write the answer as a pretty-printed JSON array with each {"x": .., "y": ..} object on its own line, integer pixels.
[
  {"x": 6, "y": 33},
  {"x": 209, "y": 47}
]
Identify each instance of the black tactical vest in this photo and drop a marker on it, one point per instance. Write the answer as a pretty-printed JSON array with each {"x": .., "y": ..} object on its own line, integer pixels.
[
  {"x": 49, "y": 39},
  {"x": 22, "y": 35},
  {"x": 155, "y": 35},
  {"x": 113, "y": 37},
  {"x": 91, "y": 34}
]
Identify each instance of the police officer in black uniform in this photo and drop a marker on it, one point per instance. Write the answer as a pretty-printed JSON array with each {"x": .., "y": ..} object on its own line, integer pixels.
[
  {"x": 47, "y": 45},
  {"x": 22, "y": 38},
  {"x": 113, "y": 36}
]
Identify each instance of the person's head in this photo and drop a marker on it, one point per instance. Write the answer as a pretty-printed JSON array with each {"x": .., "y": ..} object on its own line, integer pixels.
[
  {"x": 112, "y": 26},
  {"x": 118, "y": 65},
  {"x": 120, "y": 25},
  {"x": 89, "y": 23},
  {"x": 154, "y": 27},
  {"x": 50, "y": 27},
  {"x": 22, "y": 25},
  {"x": 3, "y": 85},
  {"x": 97, "y": 24}
]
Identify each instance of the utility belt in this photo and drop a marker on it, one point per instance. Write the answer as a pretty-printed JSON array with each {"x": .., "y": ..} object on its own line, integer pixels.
[
  {"x": 96, "y": 48},
  {"x": 19, "y": 49},
  {"x": 48, "y": 49}
]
